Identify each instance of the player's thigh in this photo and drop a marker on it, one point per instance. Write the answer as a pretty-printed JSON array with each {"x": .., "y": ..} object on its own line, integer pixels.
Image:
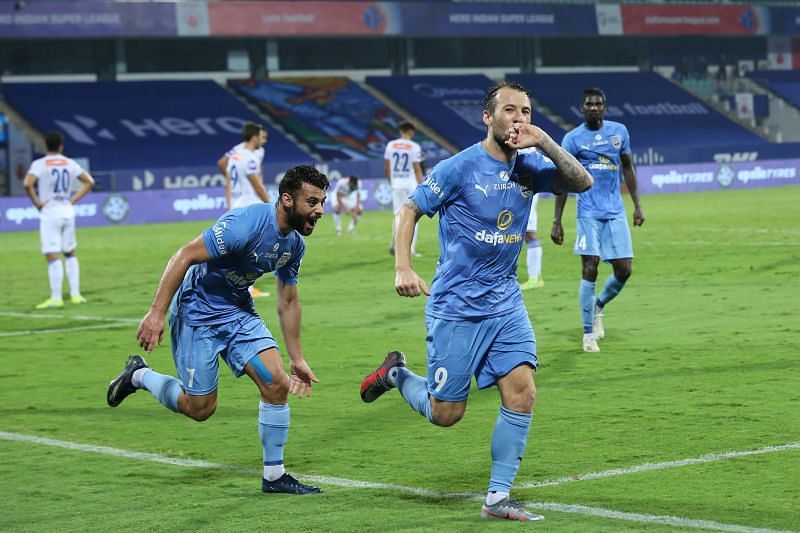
[
  {"x": 194, "y": 350},
  {"x": 68, "y": 240},
  {"x": 250, "y": 339},
  {"x": 349, "y": 203},
  {"x": 587, "y": 236},
  {"x": 455, "y": 349},
  {"x": 50, "y": 234},
  {"x": 513, "y": 345},
  {"x": 616, "y": 240}
]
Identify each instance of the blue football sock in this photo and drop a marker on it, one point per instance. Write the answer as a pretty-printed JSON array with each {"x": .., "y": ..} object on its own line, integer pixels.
[
  {"x": 610, "y": 290},
  {"x": 166, "y": 389},
  {"x": 273, "y": 430},
  {"x": 414, "y": 390},
  {"x": 586, "y": 299},
  {"x": 508, "y": 446}
]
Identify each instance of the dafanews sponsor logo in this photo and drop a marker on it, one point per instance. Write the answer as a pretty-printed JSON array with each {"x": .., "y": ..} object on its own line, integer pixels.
[
  {"x": 498, "y": 238},
  {"x": 603, "y": 163}
]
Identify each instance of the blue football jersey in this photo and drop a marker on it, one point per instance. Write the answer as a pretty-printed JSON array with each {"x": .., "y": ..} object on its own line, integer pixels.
[
  {"x": 483, "y": 207},
  {"x": 600, "y": 152},
  {"x": 244, "y": 244}
]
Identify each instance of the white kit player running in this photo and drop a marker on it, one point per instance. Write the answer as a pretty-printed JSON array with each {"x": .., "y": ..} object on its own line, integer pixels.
[
  {"x": 243, "y": 181},
  {"x": 55, "y": 175},
  {"x": 347, "y": 198},
  {"x": 403, "y": 168}
]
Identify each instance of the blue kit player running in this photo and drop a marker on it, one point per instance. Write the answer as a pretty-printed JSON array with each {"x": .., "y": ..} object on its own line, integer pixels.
[
  {"x": 603, "y": 148},
  {"x": 212, "y": 314},
  {"x": 475, "y": 317}
]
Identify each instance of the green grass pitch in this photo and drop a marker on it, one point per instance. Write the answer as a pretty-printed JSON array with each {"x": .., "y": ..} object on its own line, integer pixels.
[{"x": 701, "y": 358}]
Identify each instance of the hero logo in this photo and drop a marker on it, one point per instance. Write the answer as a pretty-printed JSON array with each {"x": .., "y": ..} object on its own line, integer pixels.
[{"x": 86, "y": 130}]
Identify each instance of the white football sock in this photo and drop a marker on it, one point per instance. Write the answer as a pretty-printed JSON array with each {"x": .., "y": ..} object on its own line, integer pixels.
[
  {"x": 73, "y": 275},
  {"x": 55, "y": 271}
]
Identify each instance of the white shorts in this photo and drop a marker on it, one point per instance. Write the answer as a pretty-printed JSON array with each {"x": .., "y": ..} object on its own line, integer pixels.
[
  {"x": 532, "y": 218},
  {"x": 57, "y": 234},
  {"x": 347, "y": 201},
  {"x": 400, "y": 197}
]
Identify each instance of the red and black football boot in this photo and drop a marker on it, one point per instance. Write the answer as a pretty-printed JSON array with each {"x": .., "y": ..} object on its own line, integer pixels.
[{"x": 377, "y": 382}]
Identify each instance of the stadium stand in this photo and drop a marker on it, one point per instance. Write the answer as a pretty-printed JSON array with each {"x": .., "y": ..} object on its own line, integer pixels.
[
  {"x": 118, "y": 125},
  {"x": 334, "y": 116},
  {"x": 785, "y": 83},
  {"x": 657, "y": 112},
  {"x": 451, "y": 105}
]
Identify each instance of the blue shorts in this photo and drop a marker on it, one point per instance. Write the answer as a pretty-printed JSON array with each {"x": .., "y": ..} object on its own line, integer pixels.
[
  {"x": 604, "y": 238},
  {"x": 488, "y": 349},
  {"x": 195, "y": 349}
]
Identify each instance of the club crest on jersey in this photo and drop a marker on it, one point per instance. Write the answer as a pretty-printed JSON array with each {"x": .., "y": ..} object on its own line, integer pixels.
[
  {"x": 284, "y": 259},
  {"x": 616, "y": 141},
  {"x": 504, "y": 219}
]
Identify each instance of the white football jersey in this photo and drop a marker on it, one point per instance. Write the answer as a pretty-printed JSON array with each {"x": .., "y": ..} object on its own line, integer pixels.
[
  {"x": 242, "y": 163},
  {"x": 259, "y": 152},
  {"x": 402, "y": 154},
  {"x": 55, "y": 175}
]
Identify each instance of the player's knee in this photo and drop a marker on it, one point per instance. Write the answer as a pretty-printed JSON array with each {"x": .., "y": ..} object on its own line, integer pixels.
[
  {"x": 276, "y": 392},
  {"x": 590, "y": 272},
  {"x": 201, "y": 413},
  {"x": 622, "y": 273},
  {"x": 446, "y": 417}
]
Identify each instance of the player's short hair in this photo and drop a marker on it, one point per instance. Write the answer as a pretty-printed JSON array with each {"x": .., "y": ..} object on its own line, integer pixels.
[
  {"x": 594, "y": 91},
  {"x": 251, "y": 129},
  {"x": 490, "y": 100},
  {"x": 406, "y": 126},
  {"x": 354, "y": 182},
  {"x": 294, "y": 178},
  {"x": 53, "y": 141}
]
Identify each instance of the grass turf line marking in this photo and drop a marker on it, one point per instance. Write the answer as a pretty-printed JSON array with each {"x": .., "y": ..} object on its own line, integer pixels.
[
  {"x": 347, "y": 483},
  {"x": 62, "y": 330},
  {"x": 646, "y": 467},
  {"x": 14, "y": 314}
]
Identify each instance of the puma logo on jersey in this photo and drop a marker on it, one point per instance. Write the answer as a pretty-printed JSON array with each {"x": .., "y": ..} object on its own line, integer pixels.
[{"x": 483, "y": 189}]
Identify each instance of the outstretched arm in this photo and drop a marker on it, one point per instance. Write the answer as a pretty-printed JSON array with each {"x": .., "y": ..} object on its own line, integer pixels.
[
  {"x": 289, "y": 314},
  {"x": 151, "y": 329},
  {"x": 406, "y": 281},
  {"x": 572, "y": 176},
  {"x": 629, "y": 174}
]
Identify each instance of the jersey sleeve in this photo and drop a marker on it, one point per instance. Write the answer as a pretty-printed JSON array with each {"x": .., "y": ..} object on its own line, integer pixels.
[
  {"x": 439, "y": 187},
  {"x": 75, "y": 169},
  {"x": 416, "y": 154},
  {"x": 35, "y": 168},
  {"x": 288, "y": 273},
  {"x": 251, "y": 165},
  {"x": 536, "y": 170},
  {"x": 230, "y": 235},
  {"x": 387, "y": 152}
]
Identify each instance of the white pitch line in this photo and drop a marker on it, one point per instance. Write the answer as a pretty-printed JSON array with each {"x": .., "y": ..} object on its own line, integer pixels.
[
  {"x": 61, "y": 330},
  {"x": 646, "y": 467},
  {"x": 14, "y": 314},
  {"x": 418, "y": 491}
]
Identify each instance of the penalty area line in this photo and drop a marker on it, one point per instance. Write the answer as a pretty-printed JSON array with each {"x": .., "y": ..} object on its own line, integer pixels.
[{"x": 418, "y": 491}]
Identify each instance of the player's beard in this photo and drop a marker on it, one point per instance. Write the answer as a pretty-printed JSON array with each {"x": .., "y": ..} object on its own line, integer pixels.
[{"x": 300, "y": 223}]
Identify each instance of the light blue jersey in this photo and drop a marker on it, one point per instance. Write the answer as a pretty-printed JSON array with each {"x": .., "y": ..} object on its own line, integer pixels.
[
  {"x": 483, "y": 207},
  {"x": 244, "y": 244},
  {"x": 600, "y": 152}
]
